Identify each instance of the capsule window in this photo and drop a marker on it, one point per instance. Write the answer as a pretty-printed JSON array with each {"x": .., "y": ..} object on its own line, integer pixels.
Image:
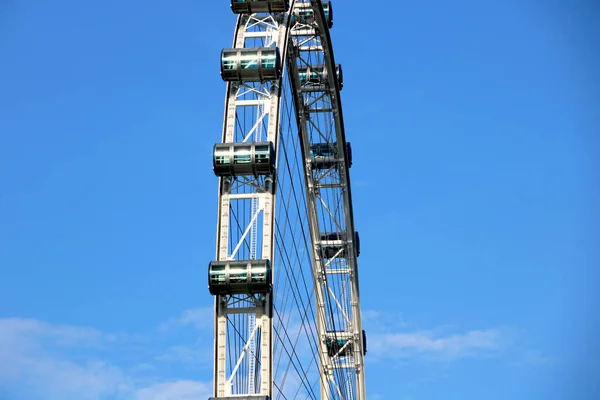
[
  {"x": 339, "y": 347},
  {"x": 242, "y": 159},
  {"x": 332, "y": 243},
  {"x": 323, "y": 155},
  {"x": 222, "y": 160},
  {"x": 249, "y": 61},
  {"x": 242, "y": 155},
  {"x": 238, "y": 274},
  {"x": 217, "y": 274},
  {"x": 259, "y": 275},
  {"x": 222, "y": 157},
  {"x": 229, "y": 62},
  {"x": 268, "y": 58},
  {"x": 322, "y": 150},
  {"x": 262, "y": 154}
]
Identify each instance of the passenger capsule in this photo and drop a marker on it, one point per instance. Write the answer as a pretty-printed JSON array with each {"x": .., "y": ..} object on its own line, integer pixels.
[
  {"x": 324, "y": 155},
  {"x": 239, "y": 277},
  {"x": 315, "y": 78},
  {"x": 332, "y": 243},
  {"x": 244, "y": 159},
  {"x": 336, "y": 346},
  {"x": 259, "y": 6},
  {"x": 250, "y": 65},
  {"x": 303, "y": 13}
]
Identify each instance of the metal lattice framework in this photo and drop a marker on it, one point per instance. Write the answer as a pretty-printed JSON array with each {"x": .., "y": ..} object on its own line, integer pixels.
[{"x": 287, "y": 304}]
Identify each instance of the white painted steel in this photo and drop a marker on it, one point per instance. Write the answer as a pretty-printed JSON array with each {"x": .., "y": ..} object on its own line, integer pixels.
[
  {"x": 329, "y": 203},
  {"x": 307, "y": 39},
  {"x": 269, "y": 31}
]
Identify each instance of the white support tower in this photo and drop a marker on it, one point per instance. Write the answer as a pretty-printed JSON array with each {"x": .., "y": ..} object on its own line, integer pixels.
[
  {"x": 262, "y": 99},
  {"x": 277, "y": 44}
]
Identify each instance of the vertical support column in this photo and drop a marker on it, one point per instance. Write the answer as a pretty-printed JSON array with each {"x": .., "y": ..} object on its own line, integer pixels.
[
  {"x": 263, "y": 309},
  {"x": 220, "y": 375},
  {"x": 359, "y": 358},
  {"x": 266, "y": 318},
  {"x": 231, "y": 111},
  {"x": 266, "y": 344},
  {"x": 321, "y": 328},
  {"x": 221, "y": 349},
  {"x": 223, "y": 245}
]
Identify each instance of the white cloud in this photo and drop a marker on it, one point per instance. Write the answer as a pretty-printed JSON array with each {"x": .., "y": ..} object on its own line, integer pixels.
[
  {"x": 391, "y": 336},
  {"x": 53, "y": 378},
  {"x": 470, "y": 344},
  {"x": 19, "y": 329},
  {"x": 189, "y": 355},
  {"x": 53, "y": 362},
  {"x": 200, "y": 318},
  {"x": 384, "y": 321},
  {"x": 28, "y": 364}
]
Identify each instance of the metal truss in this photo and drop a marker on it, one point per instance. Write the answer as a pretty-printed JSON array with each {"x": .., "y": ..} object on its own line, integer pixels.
[
  {"x": 252, "y": 112},
  {"x": 330, "y": 209},
  {"x": 240, "y": 237}
]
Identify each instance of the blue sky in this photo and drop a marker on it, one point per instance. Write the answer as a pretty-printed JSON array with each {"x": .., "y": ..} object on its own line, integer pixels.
[{"x": 474, "y": 127}]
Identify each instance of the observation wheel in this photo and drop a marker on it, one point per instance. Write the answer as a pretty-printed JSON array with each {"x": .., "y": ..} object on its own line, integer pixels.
[{"x": 285, "y": 278}]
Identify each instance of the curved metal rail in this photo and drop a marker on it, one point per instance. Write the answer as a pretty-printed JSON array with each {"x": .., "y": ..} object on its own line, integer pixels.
[{"x": 325, "y": 190}]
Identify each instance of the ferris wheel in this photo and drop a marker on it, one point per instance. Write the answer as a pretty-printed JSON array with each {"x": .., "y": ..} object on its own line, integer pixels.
[{"x": 285, "y": 278}]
